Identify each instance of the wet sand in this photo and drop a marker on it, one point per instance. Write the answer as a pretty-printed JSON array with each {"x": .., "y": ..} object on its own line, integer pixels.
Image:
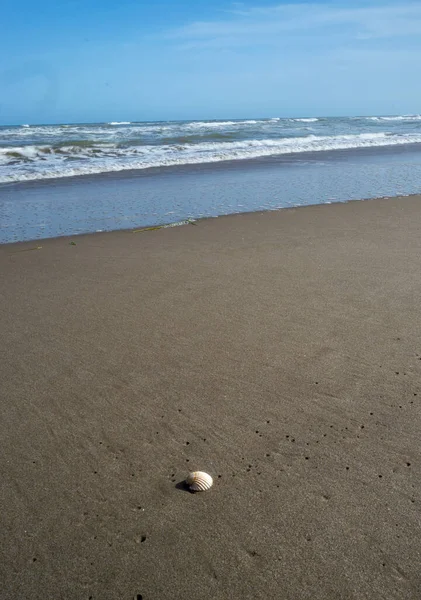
[{"x": 281, "y": 352}]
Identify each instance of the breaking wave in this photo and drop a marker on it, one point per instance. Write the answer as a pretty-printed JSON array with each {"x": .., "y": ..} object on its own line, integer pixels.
[{"x": 43, "y": 161}]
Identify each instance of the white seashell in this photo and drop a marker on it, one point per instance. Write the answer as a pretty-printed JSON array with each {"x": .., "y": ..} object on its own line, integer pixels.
[{"x": 198, "y": 481}]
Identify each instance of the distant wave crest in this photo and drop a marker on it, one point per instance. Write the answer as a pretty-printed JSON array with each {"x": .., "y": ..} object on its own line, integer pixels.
[
  {"x": 212, "y": 124},
  {"x": 396, "y": 118}
]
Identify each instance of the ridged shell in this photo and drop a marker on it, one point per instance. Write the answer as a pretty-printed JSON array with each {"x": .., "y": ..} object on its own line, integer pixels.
[{"x": 198, "y": 481}]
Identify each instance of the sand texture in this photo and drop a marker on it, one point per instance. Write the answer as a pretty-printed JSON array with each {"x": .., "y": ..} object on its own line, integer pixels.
[{"x": 280, "y": 352}]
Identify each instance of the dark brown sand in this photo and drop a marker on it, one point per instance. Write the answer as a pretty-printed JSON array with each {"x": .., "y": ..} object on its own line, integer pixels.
[{"x": 281, "y": 352}]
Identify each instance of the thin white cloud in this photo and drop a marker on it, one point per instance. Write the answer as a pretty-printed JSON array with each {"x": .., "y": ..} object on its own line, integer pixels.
[{"x": 259, "y": 24}]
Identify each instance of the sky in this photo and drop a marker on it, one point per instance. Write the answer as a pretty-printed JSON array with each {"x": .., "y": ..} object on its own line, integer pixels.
[{"x": 66, "y": 61}]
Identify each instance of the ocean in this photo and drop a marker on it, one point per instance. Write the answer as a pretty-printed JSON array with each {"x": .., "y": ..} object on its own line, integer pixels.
[
  {"x": 76, "y": 178},
  {"x": 50, "y": 151}
]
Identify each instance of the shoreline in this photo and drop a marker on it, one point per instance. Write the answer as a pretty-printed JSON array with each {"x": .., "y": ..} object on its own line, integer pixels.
[{"x": 196, "y": 221}]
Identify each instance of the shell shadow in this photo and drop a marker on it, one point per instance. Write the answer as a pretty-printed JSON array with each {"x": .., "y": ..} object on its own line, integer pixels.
[{"x": 182, "y": 485}]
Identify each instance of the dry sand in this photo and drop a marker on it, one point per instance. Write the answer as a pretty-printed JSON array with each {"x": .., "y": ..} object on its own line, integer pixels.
[{"x": 281, "y": 352}]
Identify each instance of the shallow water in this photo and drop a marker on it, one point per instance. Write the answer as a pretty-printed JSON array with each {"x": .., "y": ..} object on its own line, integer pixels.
[{"x": 69, "y": 206}]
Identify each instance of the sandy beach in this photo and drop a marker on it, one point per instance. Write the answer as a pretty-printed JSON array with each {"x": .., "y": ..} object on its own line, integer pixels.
[{"x": 279, "y": 351}]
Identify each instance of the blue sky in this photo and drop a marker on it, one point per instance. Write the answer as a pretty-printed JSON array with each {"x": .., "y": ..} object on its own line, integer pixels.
[{"x": 90, "y": 60}]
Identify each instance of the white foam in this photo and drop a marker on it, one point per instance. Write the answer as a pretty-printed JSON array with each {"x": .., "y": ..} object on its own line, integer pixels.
[
  {"x": 306, "y": 120},
  {"x": 25, "y": 125},
  {"x": 119, "y": 123}
]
